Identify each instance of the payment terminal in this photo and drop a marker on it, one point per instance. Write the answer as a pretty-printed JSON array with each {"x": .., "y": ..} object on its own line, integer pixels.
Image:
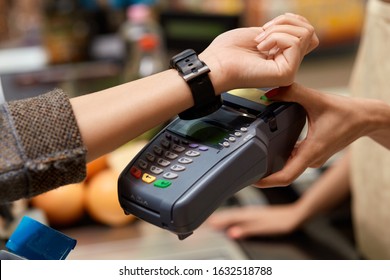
[{"x": 192, "y": 166}]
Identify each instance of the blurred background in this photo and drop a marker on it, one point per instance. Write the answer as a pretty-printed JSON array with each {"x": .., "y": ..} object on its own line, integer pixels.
[{"x": 84, "y": 46}]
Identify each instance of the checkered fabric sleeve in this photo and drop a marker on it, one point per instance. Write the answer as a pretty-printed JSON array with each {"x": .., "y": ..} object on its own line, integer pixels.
[{"x": 40, "y": 146}]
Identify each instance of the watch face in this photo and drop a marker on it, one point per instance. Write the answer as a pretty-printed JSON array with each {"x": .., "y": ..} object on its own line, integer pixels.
[
  {"x": 181, "y": 56},
  {"x": 189, "y": 65}
]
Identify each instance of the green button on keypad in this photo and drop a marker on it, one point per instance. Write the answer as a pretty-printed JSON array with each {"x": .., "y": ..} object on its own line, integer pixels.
[{"x": 162, "y": 183}]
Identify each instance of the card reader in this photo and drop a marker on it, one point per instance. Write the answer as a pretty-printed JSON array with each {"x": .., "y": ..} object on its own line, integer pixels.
[{"x": 192, "y": 166}]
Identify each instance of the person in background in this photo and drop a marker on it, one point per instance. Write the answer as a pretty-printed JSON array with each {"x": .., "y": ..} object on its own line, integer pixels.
[
  {"x": 334, "y": 123},
  {"x": 46, "y": 141}
]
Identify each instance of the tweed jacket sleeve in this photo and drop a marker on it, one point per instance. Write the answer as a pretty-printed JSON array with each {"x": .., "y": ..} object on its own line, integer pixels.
[{"x": 40, "y": 146}]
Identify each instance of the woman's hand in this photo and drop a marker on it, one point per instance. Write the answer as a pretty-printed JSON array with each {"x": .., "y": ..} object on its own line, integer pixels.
[
  {"x": 334, "y": 121},
  {"x": 260, "y": 56},
  {"x": 250, "y": 221}
]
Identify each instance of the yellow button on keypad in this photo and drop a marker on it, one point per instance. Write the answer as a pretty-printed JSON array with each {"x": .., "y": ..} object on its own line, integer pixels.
[{"x": 147, "y": 178}]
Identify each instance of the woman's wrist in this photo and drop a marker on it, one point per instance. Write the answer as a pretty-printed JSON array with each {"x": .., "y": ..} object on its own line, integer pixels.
[
  {"x": 378, "y": 115},
  {"x": 301, "y": 211},
  {"x": 216, "y": 72}
]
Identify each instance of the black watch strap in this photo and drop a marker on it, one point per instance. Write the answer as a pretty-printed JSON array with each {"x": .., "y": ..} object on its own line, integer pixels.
[{"x": 195, "y": 73}]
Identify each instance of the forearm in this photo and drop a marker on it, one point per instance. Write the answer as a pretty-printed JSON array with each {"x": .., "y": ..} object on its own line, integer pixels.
[
  {"x": 112, "y": 117},
  {"x": 327, "y": 192}
]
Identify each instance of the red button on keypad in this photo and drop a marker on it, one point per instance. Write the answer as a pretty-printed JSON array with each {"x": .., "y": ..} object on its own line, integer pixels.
[{"x": 137, "y": 173}]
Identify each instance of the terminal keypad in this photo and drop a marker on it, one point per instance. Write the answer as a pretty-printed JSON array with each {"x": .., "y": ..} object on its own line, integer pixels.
[
  {"x": 159, "y": 161},
  {"x": 172, "y": 157}
]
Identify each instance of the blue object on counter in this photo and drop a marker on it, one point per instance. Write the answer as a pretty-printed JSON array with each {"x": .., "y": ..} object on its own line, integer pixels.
[
  {"x": 116, "y": 4},
  {"x": 35, "y": 241}
]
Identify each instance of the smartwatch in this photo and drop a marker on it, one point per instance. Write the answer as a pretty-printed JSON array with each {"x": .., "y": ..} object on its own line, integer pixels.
[{"x": 195, "y": 73}]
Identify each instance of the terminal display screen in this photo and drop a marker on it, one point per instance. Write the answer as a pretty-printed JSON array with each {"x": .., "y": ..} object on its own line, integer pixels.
[
  {"x": 213, "y": 129},
  {"x": 201, "y": 131}
]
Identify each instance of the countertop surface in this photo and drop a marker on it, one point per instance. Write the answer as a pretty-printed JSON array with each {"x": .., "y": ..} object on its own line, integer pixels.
[{"x": 325, "y": 237}]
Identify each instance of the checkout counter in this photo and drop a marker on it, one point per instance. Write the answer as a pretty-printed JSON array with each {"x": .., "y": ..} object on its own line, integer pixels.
[
  {"x": 328, "y": 237},
  {"x": 325, "y": 238}
]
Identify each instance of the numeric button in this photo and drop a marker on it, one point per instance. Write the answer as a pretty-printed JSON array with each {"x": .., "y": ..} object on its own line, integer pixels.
[
  {"x": 170, "y": 175},
  {"x": 157, "y": 150},
  {"x": 143, "y": 164},
  {"x": 150, "y": 157},
  {"x": 178, "y": 148},
  {"x": 165, "y": 143},
  {"x": 185, "y": 160},
  {"x": 192, "y": 153},
  {"x": 163, "y": 162},
  {"x": 156, "y": 170},
  {"x": 170, "y": 155},
  {"x": 177, "y": 167}
]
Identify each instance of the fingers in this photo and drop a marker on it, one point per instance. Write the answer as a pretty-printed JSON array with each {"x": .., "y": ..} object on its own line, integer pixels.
[
  {"x": 292, "y": 24},
  {"x": 256, "y": 220},
  {"x": 292, "y": 34},
  {"x": 283, "y": 42},
  {"x": 284, "y": 177},
  {"x": 226, "y": 218},
  {"x": 294, "y": 167},
  {"x": 243, "y": 230},
  {"x": 286, "y": 43},
  {"x": 299, "y": 33},
  {"x": 279, "y": 39},
  {"x": 238, "y": 222},
  {"x": 308, "y": 153}
]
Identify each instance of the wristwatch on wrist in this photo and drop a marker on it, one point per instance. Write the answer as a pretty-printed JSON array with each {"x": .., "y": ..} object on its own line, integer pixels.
[{"x": 195, "y": 73}]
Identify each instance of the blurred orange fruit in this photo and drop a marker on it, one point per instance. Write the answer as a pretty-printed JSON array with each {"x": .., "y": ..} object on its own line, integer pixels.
[
  {"x": 101, "y": 199},
  {"x": 63, "y": 206},
  {"x": 95, "y": 166}
]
